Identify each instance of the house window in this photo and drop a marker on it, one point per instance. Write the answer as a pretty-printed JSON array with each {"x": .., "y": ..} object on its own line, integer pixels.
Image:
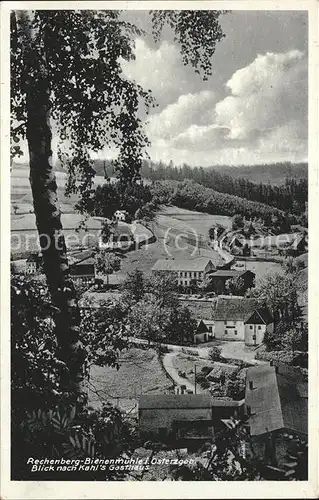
[
  {"x": 254, "y": 337},
  {"x": 259, "y": 327},
  {"x": 251, "y": 385},
  {"x": 251, "y": 327},
  {"x": 235, "y": 332},
  {"x": 210, "y": 329},
  {"x": 225, "y": 332}
]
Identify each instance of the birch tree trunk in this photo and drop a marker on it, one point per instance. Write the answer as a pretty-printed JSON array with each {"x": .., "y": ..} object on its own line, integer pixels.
[{"x": 45, "y": 201}]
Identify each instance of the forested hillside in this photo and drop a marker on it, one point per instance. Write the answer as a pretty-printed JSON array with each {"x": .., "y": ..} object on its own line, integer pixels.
[
  {"x": 193, "y": 196},
  {"x": 290, "y": 194}
]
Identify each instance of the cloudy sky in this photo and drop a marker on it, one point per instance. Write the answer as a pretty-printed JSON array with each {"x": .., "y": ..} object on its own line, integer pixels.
[{"x": 253, "y": 109}]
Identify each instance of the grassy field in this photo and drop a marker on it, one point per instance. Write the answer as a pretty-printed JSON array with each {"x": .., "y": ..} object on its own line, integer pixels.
[
  {"x": 140, "y": 373},
  {"x": 181, "y": 234},
  {"x": 21, "y": 190},
  {"x": 259, "y": 268}
]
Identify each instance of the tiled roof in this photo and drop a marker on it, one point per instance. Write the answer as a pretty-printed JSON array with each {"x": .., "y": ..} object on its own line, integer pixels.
[
  {"x": 84, "y": 262},
  {"x": 263, "y": 400},
  {"x": 181, "y": 265},
  {"x": 231, "y": 273},
  {"x": 202, "y": 310},
  {"x": 277, "y": 400},
  {"x": 234, "y": 308},
  {"x": 166, "y": 401},
  {"x": 260, "y": 315}
]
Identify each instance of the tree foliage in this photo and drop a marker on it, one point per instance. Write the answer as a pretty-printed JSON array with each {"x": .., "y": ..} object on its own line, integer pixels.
[
  {"x": 280, "y": 293},
  {"x": 107, "y": 262},
  {"x": 290, "y": 195},
  {"x": 193, "y": 196},
  {"x": 197, "y": 33}
]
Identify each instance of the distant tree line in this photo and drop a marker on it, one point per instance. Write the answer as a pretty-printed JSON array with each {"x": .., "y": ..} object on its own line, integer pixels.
[
  {"x": 290, "y": 196},
  {"x": 193, "y": 196}
]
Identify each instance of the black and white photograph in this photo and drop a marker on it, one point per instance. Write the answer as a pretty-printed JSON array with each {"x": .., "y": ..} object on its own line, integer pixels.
[{"x": 159, "y": 166}]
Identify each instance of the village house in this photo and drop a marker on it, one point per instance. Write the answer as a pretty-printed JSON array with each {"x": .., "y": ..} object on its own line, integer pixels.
[
  {"x": 33, "y": 263},
  {"x": 121, "y": 215},
  {"x": 219, "y": 278},
  {"x": 83, "y": 271},
  {"x": 189, "y": 273},
  {"x": 121, "y": 238},
  {"x": 188, "y": 417},
  {"x": 299, "y": 245},
  {"x": 276, "y": 403},
  {"x": 201, "y": 309},
  {"x": 240, "y": 318},
  {"x": 258, "y": 323},
  {"x": 204, "y": 331},
  {"x": 176, "y": 416}
]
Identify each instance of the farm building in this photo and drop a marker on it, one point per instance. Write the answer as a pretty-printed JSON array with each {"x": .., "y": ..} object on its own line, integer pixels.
[
  {"x": 121, "y": 238},
  {"x": 257, "y": 324},
  {"x": 204, "y": 331},
  {"x": 239, "y": 318},
  {"x": 219, "y": 278},
  {"x": 189, "y": 273},
  {"x": 202, "y": 310},
  {"x": 176, "y": 415},
  {"x": 276, "y": 403},
  {"x": 121, "y": 215},
  {"x": 83, "y": 271},
  {"x": 33, "y": 263},
  {"x": 227, "y": 408},
  {"x": 299, "y": 245}
]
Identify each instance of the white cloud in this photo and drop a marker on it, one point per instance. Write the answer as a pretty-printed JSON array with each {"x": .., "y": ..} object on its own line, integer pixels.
[
  {"x": 189, "y": 109},
  {"x": 200, "y": 137},
  {"x": 161, "y": 70},
  {"x": 270, "y": 92},
  {"x": 263, "y": 119}
]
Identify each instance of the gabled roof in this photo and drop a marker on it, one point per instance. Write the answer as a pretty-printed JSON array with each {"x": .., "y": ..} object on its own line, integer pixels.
[
  {"x": 260, "y": 315},
  {"x": 169, "y": 401},
  {"x": 84, "y": 262},
  {"x": 201, "y": 328},
  {"x": 230, "y": 273},
  {"x": 234, "y": 308},
  {"x": 198, "y": 264},
  {"x": 263, "y": 400},
  {"x": 277, "y": 400},
  {"x": 201, "y": 309}
]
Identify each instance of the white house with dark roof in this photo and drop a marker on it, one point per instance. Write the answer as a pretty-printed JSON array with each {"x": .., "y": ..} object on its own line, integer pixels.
[
  {"x": 241, "y": 318},
  {"x": 189, "y": 273},
  {"x": 258, "y": 323},
  {"x": 121, "y": 238},
  {"x": 121, "y": 215}
]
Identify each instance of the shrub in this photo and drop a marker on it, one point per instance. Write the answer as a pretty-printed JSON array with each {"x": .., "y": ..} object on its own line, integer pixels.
[
  {"x": 205, "y": 384},
  {"x": 200, "y": 378},
  {"x": 206, "y": 369},
  {"x": 215, "y": 353}
]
